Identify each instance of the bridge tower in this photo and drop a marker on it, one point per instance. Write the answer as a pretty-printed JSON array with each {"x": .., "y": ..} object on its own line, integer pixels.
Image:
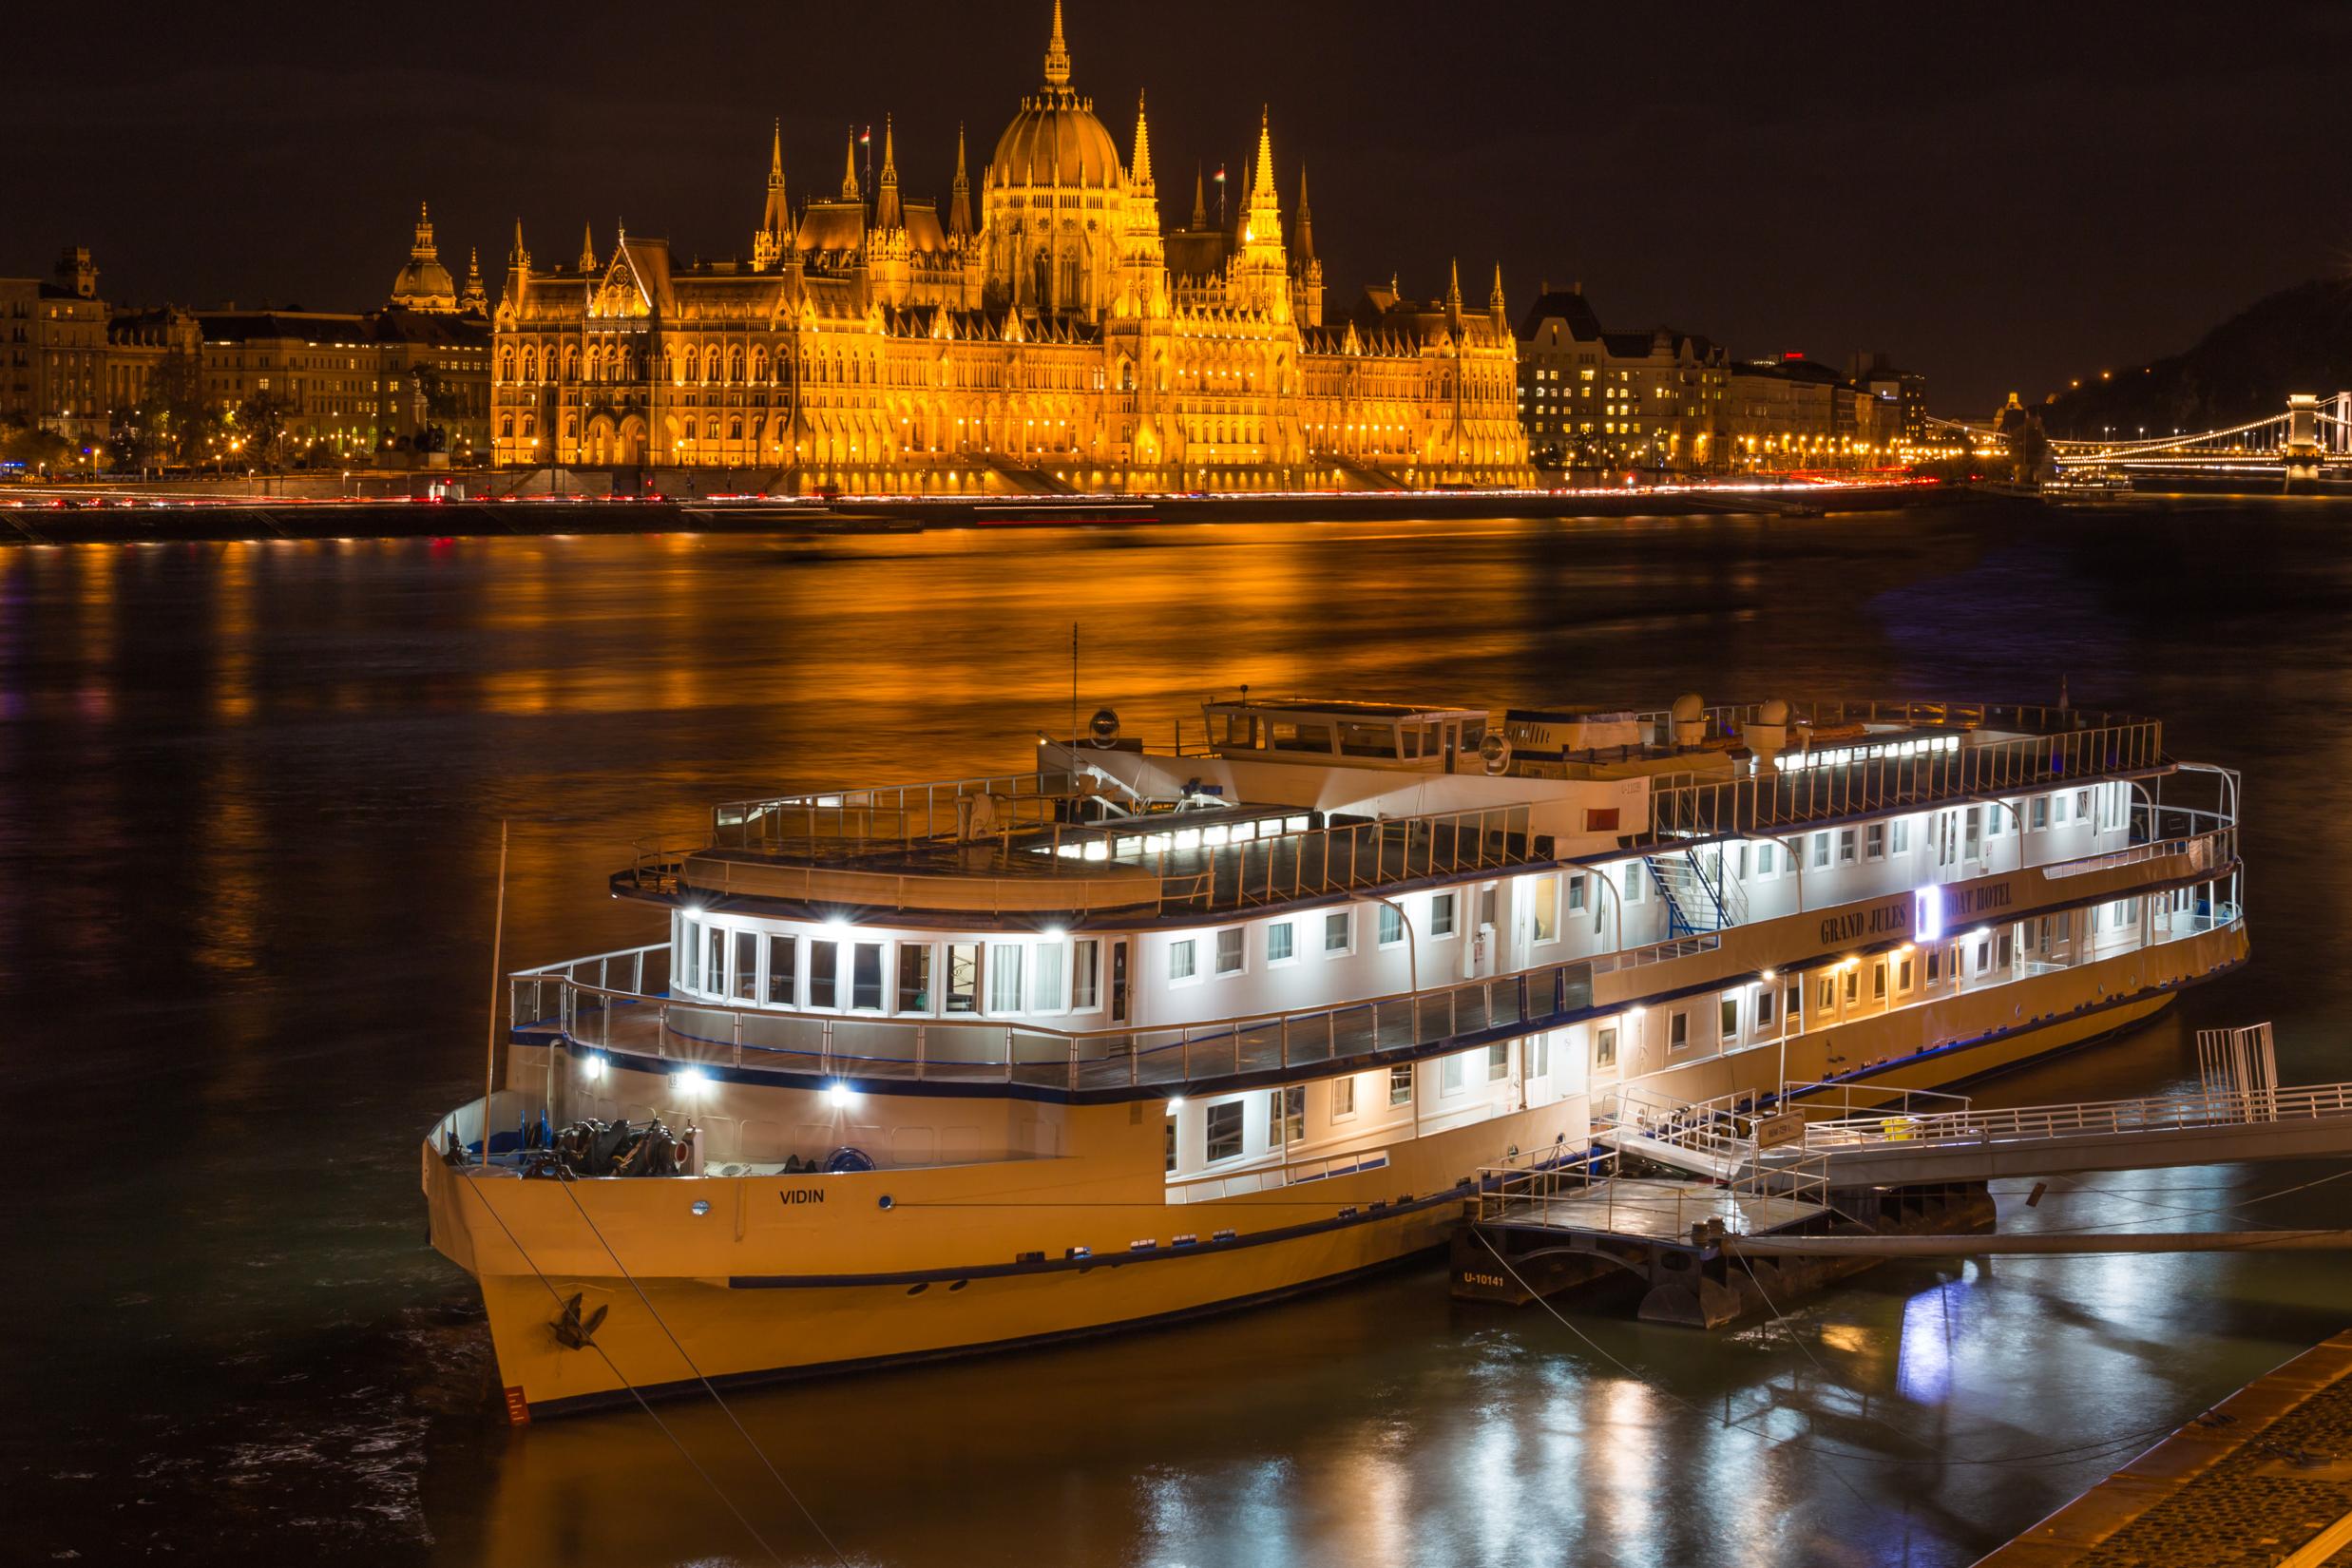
[{"x": 2305, "y": 454}]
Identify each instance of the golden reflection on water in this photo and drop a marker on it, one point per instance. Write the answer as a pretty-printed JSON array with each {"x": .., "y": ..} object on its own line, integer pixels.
[{"x": 269, "y": 778}]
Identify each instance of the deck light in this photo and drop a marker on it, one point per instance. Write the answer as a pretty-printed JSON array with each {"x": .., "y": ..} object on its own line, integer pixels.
[
  {"x": 839, "y": 1096},
  {"x": 693, "y": 911},
  {"x": 837, "y": 926},
  {"x": 1054, "y": 933},
  {"x": 1175, "y": 1104},
  {"x": 595, "y": 1066},
  {"x": 692, "y": 1081}
]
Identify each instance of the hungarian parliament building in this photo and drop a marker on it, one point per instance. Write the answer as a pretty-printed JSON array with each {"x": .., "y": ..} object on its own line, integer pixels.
[{"x": 1055, "y": 338}]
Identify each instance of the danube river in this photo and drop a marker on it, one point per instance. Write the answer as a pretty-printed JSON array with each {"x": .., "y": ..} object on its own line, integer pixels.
[{"x": 249, "y": 798}]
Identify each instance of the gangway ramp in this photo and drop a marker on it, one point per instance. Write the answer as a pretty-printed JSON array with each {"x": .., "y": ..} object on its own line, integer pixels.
[{"x": 2237, "y": 1115}]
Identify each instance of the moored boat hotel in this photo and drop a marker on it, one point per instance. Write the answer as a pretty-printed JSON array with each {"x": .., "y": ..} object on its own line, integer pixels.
[{"x": 1137, "y": 1033}]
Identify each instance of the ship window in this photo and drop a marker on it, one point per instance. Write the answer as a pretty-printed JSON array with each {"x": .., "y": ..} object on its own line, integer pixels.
[
  {"x": 823, "y": 974},
  {"x": 914, "y": 977},
  {"x": 1180, "y": 960},
  {"x": 1224, "y": 1130},
  {"x": 1845, "y": 846},
  {"x": 1935, "y": 965},
  {"x": 1763, "y": 1009},
  {"x": 1632, "y": 881},
  {"x": 1005, "y": 978},
  {"x": 1286, "y": 1117},
  {"x": 1430, "y": 744},
  {"x": 1441, "y": 914},
  {"x": 746, "y": 967},
  {"x": 1338, "y": 931},
  {"x": 1545, "y": 919},
  {"x": 1498, "y": 1060},
  {"x": 2042, "y": 811},
  {"x": 865, "y": 976},
  {"x": 1878, "y": 980},
  {"x": 1086, "y": 974},
  {"x": 1409, "y": 738},
  {"x": 715, "y": 978},
  {"x": 1853, "y": 986},
  {"x": 1231, "y": 958},
  {"x": 1539, "y": 1056},
  {"x": 1874, "y": 841},
  {"x": 1903, "y": 978},
  {"x": 1730, "y": 1009},
  {"x": 1278, "y": 943},
  {"x": 1821, "y": 851},
  {"x": 1367, "y": 740},
  {"x": 783, "y": 970},
  {"x": 1487, "y": 898},
  {"x": 690, "y": 945},
  {"x": 1605, "y": 1048},
  {"x": 1903, "y": 835},
  {"x": 1289, "y": 737},
  {"x": 2057, "y": 810},
  {"x": 1972, "y": 830},
  {"x": 1391, "y": 925},
  {"x": 1343, "y": 1098},
  {"x": 963, "y": 977},
  {"x": 1168, "y": 1144},
  {"x": 1764, "y": 861},
  {"x": 2082, "y": 805},
  {"x": 2005, "y": 953},
  {"x": 1451, "y": 1076},
  {"x": 1828, "y": 994},
  {"x": 1400, "y": 1085},
  {"x": 1046, "y": 981},
  {"x": 1576, "y": 895}
]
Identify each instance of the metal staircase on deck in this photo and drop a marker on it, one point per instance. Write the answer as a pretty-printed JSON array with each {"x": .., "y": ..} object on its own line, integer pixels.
[{"x": 1699, "y": 896}]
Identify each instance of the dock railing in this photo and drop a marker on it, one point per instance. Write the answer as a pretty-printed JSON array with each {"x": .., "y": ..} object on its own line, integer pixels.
[{"x": 2208, "y": 1107}]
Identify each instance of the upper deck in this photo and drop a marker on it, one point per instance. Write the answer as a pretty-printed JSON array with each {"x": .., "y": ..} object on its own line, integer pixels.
[{"x": 1306, "y": 800}]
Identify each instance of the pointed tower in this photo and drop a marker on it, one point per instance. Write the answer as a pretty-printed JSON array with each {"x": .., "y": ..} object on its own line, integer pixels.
[
  {"x": 587, "y": 249},
  {"x": 1200, "y": 201},
  {"x": 1139, "y": 167},
  {"x": 775, "y": 219},
  {"x": 1057, "y": 54},
  {"x": 1497, "y": 310},
  {"x": 518, "y": 269},
  {"x": 889, "y": 214},
  {"x": 1453, "y": 293},
  {"x": 1306, "y": 268},
  {"x": 848, "y": 176},
  {"x": 476, "y": 299},
  {"x": 959, "y": 194},
  {"x": 1261, "y": 272}
]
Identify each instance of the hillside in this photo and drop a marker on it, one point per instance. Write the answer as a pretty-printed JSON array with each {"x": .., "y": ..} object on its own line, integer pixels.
[{"x": 2297, "y": 341}]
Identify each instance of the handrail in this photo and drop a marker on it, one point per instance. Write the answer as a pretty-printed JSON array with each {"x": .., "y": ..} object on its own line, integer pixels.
[
  {"x": 1873, "y": 777},
  {"x": 2200, "y": 1108},
  {"x": 1524, "y": 998}
]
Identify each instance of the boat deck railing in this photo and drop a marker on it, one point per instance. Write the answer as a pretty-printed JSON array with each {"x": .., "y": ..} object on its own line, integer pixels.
[
  {"x": 1195, "y": 862},
  {"x": 1866, "y": 776},
  {"x": 580, "y": 1001}
]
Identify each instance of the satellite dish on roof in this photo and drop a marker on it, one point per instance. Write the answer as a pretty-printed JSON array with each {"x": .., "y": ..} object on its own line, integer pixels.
[
  {"x": 1494, "y": 754},
  {"x": 1103, "y": 727}
]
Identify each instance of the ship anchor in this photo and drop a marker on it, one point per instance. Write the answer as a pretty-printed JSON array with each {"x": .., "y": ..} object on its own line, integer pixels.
[{"x": 574, "y": 1333}]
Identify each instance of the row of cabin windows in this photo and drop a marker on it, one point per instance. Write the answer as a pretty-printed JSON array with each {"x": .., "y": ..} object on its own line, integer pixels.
[
  {"x": 825, "y": 975},
  {"x": 1286, "y": 1108},
  {"x": 1229, "y": 947}
]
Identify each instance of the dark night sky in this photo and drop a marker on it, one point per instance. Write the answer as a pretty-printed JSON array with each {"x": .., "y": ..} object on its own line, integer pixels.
[{"x": 2001, "y": 196}]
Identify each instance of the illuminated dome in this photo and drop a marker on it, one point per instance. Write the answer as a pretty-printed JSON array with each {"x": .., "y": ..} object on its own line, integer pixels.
[
  {"x": 425, "y": 285},
  {"x": 1055, "y": 140}
]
